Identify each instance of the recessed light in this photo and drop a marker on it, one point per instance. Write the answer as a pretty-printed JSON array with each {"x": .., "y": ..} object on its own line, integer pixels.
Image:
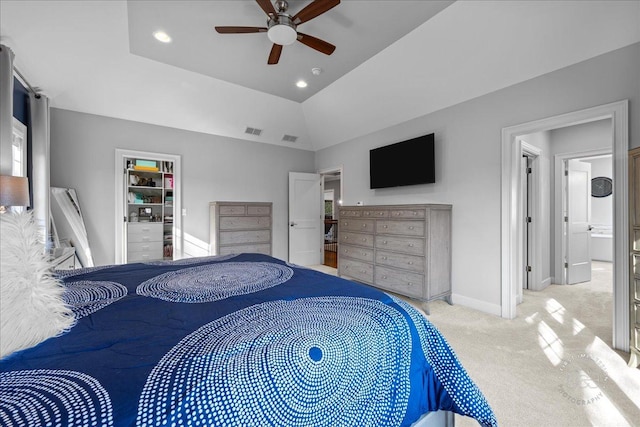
[
  {"x": 162, "y": 36},
  {"x": 301, "y": 84}
]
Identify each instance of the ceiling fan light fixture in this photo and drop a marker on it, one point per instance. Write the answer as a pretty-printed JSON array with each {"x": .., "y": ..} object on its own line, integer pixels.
[{"x": 281, "y": 30}]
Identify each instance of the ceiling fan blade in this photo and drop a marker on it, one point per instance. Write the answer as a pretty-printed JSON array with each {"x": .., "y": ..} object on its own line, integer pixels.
[
  {"x": 316, "y": 43},
  {"x": 240, "y": 30},
  {"x": 267, "y": 6},
  {"x": 274, "y": 55},
  {"x": 317, "y": 7}
]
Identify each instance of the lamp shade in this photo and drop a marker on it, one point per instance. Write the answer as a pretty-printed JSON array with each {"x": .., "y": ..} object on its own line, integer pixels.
[
  {"x": 282, "y": 34},
  {"x": 14, "y": 191}
]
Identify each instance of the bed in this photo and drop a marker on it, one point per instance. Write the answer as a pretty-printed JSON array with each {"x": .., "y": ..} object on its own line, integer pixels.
[{"x": 234, "y": 340}]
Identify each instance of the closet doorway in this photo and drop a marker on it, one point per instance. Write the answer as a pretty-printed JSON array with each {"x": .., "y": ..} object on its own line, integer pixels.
[
  {"x": 148, "y": 207},
  {"x": 332, "y": 191}
]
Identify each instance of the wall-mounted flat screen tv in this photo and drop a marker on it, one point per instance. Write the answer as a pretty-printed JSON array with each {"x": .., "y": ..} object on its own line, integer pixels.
[{"x": 408, "y": 162}]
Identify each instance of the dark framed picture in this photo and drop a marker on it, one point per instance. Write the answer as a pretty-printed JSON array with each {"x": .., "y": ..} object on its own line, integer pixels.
[
  {"x": 144, "y": 212},
  {"x": 601, "y": 186}
]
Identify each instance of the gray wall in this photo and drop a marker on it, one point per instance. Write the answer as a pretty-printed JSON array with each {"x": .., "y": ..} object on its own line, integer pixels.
[
  {"x": 468, "y": 151},
  {"x": 602, "y": 207},
  {"x": 213, "y": 168}
]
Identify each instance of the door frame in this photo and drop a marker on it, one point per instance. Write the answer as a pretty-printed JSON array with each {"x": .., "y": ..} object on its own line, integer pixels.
[
  {"x": 535, "y": 206},
  {"x": 560, "y": 243},
  {"x": 511, "y": 226},
  {"x": 337, "y": 205},
  {"x": 120, "y": 155}
]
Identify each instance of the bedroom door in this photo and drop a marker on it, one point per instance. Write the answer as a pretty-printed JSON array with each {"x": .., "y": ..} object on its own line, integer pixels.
[
  {"x": 305, "y": 218},
  {"x": 578, "y": 222}
]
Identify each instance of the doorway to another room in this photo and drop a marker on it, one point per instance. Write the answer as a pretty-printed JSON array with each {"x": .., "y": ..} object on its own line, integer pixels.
[
  {"x": 332, "y": 191},
  {"x": 599, "y": 134}
]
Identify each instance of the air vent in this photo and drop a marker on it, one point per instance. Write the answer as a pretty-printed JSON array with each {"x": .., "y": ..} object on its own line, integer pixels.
[
  {"x": 253, "y": 131},
  {"x": 289, "y": 138}
]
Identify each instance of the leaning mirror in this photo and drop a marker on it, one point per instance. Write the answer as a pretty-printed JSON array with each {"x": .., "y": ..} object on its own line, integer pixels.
[{"x": 68, "y": 225}]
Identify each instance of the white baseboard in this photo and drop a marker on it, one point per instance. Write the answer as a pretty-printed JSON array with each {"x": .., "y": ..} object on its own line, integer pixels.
[
  {"x": 475, "y": 304},
  {"x": 546, "y": 282}
]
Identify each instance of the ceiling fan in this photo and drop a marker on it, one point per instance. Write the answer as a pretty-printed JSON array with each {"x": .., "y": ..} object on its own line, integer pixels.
[{"x": 282, "y": 27}]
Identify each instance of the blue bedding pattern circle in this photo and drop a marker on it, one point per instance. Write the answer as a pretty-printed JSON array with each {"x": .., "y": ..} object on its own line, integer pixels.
[
  {"x": 53, "y": 398},
  {"x": 213, "y": 282},
  {"x": 442, "y": 358},
  {"x": 325, "y": 361},
  {"x": 87, "y": 296}
]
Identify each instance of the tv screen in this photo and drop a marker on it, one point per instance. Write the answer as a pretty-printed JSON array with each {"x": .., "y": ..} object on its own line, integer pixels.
[{"x": 408, "y": 162}]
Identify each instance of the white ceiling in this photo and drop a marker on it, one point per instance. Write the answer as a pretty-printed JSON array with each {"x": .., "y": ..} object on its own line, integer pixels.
[{"x": 395, "y": 60}]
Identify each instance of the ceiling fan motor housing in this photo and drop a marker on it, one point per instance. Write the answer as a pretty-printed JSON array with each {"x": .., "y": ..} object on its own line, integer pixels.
[{"x": 281, "y": 6}]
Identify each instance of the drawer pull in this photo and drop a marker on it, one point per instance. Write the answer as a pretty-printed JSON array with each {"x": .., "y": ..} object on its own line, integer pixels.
[
  {"x": 345, "y": 238},
  {"x": 384, "y": 257},
  {"x": 410, "y": 245},
  {"x": 415, "y": 213},
  {"x": 364, "y": 253},
  {"x": 381, "y": 213},
  {"x": 409, "y": 284},
  {"x": 363, "y": 271},
  {"x": 384, "y": 277},
  {"x": 364, "y": 225},
  {"x": 385, "y": 226},
  {"x": 411, "y": 227},
  {"x": 367, "y": 213},
  {"x": 145, "y": 238},
  {"x": 410, "y": 262},
  {"x": 384, "y": 242},
  {"x": 346, "y": 223},
  {"x": 364, "y": 239}
]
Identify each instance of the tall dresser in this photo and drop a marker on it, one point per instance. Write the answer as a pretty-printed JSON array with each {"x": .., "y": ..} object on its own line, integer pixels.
[
  {"x": 404, "y": 249},
  {"x": 237, "y": 227},
  {"x": 634, "y": 262}
]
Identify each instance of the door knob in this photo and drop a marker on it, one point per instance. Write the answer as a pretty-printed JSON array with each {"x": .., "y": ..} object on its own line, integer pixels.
[{"x": 292, "y": 223}]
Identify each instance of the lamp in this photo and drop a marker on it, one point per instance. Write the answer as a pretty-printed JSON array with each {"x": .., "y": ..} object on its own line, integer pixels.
[
  {"x": 281, "y": 30},
  {"x": 14, "y": 191}
]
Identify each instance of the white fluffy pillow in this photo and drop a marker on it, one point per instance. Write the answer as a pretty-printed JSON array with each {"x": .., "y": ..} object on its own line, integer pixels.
[{"x": 31, "y": 306}]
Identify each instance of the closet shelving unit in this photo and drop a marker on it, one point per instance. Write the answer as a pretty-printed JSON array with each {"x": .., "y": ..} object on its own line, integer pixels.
[{"x": 150, "y": 210}]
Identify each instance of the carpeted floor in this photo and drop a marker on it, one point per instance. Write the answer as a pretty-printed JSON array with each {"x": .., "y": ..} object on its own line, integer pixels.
[{"x": 551, "y": 366}]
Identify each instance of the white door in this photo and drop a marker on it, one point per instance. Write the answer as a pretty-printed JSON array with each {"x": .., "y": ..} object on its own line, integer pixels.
[
  {"x": 305, "y": 218},
  {"x": 578, "y": 222}
]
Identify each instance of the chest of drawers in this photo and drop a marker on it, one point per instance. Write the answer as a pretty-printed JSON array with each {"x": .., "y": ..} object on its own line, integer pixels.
[
  {"x": 144, "y": 241},
  {"x": 405, "y": 249},
  {"x": 237, "y": 227}
]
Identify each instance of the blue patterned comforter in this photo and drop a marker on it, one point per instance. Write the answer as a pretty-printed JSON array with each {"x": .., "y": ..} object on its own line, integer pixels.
[{"x": 244, "y": 340}]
